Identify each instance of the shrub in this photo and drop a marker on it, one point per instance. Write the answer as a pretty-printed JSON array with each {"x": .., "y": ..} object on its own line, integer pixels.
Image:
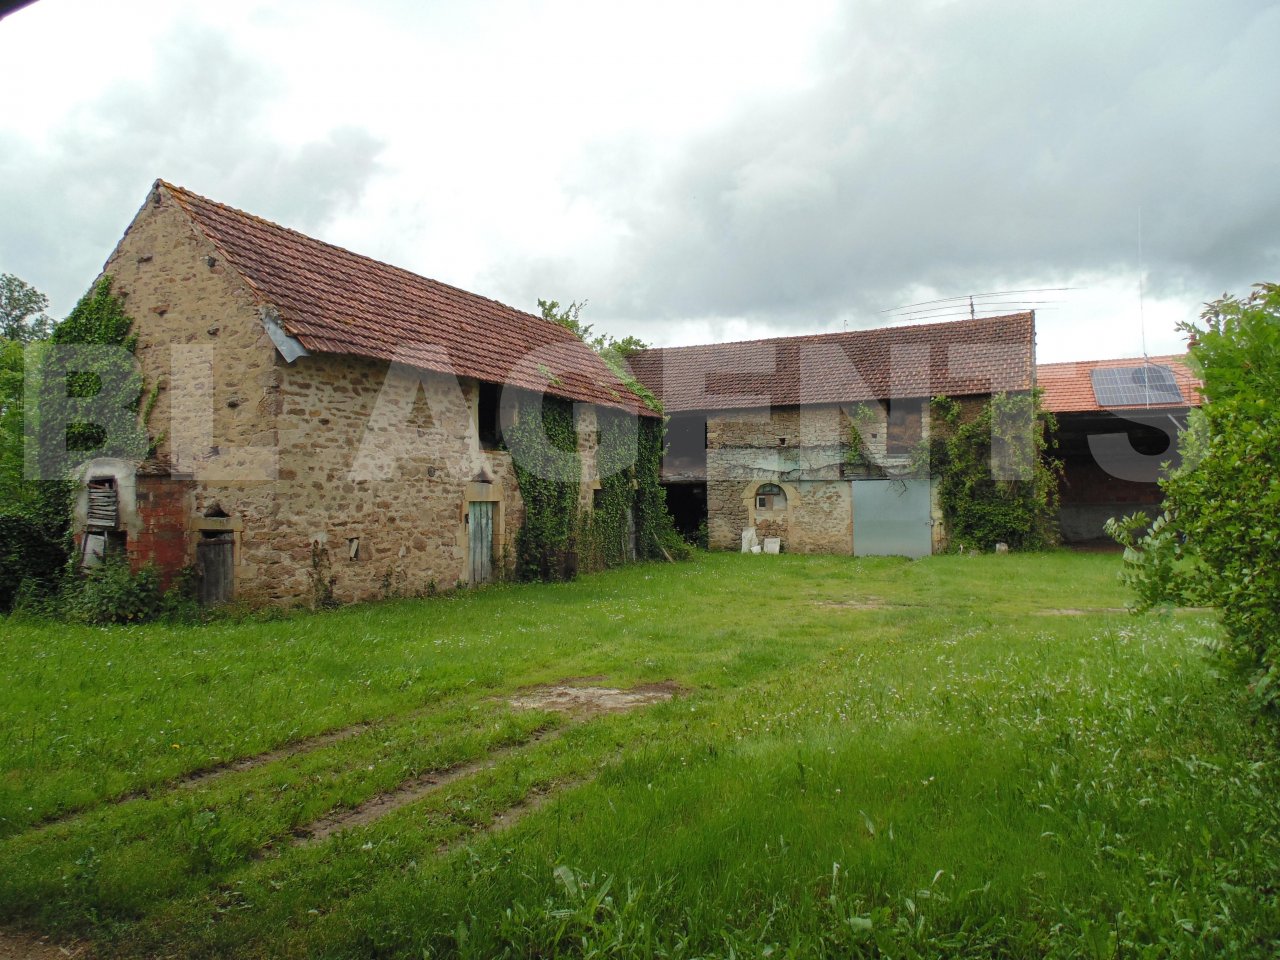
[
  {"x": 28, "y": 554},
  {"x": 1224, "y": 501},
  {"x": 112, "y": 593},
  {"x": 996, "y": 483},
  {"x": 1153, "y": 556}
]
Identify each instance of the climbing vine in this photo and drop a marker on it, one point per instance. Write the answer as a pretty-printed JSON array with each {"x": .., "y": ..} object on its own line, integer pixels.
[
  {"x": 656, "y": 534},
  {"x": 996, "y": 482},
  {"x": 558, "y": 536},
  {"x": 858, "y": 419},
  {"x": 544, "y": 446},
  {"x": 607, "y": 528},
  {"x": 90, "y": 395}
]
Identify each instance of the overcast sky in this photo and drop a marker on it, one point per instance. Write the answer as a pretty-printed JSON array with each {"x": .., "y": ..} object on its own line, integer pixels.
[{"x": 696, "y": 171}]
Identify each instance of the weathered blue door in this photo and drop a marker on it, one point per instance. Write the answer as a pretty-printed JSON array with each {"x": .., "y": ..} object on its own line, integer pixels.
[
  {"x": 480, "y": 540},
  {"x": 892, "y": 518}
]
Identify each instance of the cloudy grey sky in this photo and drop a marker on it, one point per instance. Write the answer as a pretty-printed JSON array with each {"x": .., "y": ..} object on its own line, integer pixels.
[{"x": 696, "y": 171}]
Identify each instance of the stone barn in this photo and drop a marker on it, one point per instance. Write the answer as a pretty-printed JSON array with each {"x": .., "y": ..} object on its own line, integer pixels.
[
  {"x": 1118, "y": 422},
  {"x": 331, "y": 425},
  {"x": 760, "y": 446}
]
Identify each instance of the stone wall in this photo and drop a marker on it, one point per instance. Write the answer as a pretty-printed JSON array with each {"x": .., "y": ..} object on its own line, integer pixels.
[
  {"x": 349, "y": 472},
  {"x": 388, "y": 457},
  {"x": 804, "y": 450}
]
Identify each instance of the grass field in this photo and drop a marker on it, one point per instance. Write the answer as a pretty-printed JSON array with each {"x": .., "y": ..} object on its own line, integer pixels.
[{"x": 961, "y": 756}]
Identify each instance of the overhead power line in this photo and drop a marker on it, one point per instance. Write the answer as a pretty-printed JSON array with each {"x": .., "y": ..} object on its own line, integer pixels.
[{"x": 977, "y": 296}]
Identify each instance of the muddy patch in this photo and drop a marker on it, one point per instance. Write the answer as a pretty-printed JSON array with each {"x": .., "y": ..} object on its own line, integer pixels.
[
  {"x": 22, "y": 946},
  {"x": 581, "y": 700}
]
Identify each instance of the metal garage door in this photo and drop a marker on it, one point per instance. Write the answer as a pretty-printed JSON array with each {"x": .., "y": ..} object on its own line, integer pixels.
[{"x": 892, "y": 518}]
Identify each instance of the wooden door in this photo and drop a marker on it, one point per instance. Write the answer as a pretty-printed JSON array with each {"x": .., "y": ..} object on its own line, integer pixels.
[
  {"x": 214, "y": 561},
  {"x": 480, "y": 540}
]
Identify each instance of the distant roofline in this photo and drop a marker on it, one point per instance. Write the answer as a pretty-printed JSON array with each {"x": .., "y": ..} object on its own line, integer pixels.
[
  {"x": 1119, "y": 361},
  {"x": 833, "y": 334}
]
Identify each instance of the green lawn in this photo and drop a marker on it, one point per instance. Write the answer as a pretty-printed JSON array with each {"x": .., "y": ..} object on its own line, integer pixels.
[{"x": 961, "y": 756}]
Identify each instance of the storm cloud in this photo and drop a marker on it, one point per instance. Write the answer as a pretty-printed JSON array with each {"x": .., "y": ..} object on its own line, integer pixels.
[
  {"x": 199, "y": 117},
  {"x": 961, "y": 147},
  {"x": 721, "y": 170}
]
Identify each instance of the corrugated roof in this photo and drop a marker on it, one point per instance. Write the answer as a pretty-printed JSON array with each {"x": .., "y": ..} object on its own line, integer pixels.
[
  {"x": 958, "y": 358},
  {"x": 336, "y": 301},
  {"x": 1068, "y": 387}
]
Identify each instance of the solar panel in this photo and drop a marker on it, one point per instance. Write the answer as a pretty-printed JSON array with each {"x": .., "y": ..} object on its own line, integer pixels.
[{"x": 1135, "y": 386}]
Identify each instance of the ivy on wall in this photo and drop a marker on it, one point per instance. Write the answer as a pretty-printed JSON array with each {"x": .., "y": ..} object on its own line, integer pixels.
[
  {"x": 607, "y": 528},
  {"x": 858, "y": 419},
  {"x": 557, "y": 537},
  {"x": 629, "y": 510},
  {"x": 996, "y": 483},
  {"x": 544, "y": 444},
  {"x": 656, "y": 534},
  {"x": 90, "y": 395}
]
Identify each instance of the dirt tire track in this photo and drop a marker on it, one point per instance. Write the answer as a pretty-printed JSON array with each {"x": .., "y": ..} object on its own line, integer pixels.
[
  {"x": 25, "y": 946},
  {"x": 410, "y": 791},
  {"x": 569, "y": 697}
]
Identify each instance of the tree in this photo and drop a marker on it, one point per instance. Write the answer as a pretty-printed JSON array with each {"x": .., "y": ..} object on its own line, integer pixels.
[
  {"x": 1219, "y": 539},
  {"x": 612, "y": 351},
  {"x": 94, "y": 408},
  {"x": 570, "y": 318},
  {"x": 75, "y": 397},
  {"x": 22, "y": 306}
]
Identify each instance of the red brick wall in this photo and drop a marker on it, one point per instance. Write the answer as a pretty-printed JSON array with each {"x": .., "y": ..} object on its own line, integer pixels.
[
  {"x": 164, "y": 504},
  {"x": 1083, "y": 481}
]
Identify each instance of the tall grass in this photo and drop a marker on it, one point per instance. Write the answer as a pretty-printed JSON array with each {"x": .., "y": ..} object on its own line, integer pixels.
[{"x": 871, "y": 758}]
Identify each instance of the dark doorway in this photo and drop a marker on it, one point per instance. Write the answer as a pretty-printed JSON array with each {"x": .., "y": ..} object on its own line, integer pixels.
[{"x": 687, "y": 504}]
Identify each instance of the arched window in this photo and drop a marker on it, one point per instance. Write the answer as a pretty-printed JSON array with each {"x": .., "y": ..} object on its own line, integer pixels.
[{"x": 769, "y": 496}]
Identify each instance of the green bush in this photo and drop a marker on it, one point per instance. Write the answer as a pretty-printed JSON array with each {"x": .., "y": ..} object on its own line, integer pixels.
[
  {"x": 996, "y": 482},
  {"x": 29, "y": 553},
  {"x": 1153, "y": 556},
  {"x": 112, "y": 593},
  {"x": 1224, "y": 501}
]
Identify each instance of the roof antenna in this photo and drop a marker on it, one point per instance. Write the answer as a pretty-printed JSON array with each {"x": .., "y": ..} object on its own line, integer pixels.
[{"x": 972, "y": 315}]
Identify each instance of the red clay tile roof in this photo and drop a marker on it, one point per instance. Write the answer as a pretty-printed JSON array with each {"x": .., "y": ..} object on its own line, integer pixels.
[
  {"x": 336, "y": 301},
  {"x": 1068, "y": 387},
  {"x": 959, "y": 358}
]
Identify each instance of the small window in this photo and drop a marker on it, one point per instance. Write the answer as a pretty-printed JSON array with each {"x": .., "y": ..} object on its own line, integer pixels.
[
  {"x": 104, "y": 505},
  {"x": 769, "y": 496},
  {"x": 353, "y": 548},
  {"x": 488, "y": 422},
  {"x": 905, "y": 426},
  {"x": 597, "y": 499}
]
